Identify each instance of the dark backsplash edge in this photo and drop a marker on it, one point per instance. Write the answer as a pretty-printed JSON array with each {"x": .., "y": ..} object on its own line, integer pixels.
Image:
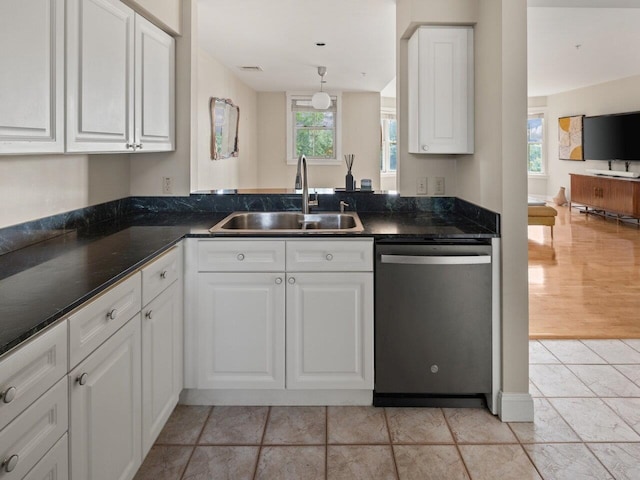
[{"x": 21, "y": 235}]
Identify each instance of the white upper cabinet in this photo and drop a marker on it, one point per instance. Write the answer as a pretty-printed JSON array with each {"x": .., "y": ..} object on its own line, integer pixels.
[
  {"x": 154, "y": 88},
  {"x": 441, "y": 113},
  {"x": 32, "y": 76},
  {"x": 99, "y": 76},
  {"x": 120, "y": 80}
]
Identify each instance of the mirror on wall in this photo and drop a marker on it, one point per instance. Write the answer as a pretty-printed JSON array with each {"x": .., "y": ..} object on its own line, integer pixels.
[{"x": 225, "y": 117}]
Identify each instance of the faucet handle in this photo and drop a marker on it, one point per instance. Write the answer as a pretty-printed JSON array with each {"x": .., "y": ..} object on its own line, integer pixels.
[{"x": 343, "y": 205}]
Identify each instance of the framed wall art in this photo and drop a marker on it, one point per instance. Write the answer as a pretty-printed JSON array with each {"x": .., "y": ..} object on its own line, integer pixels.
[{"x": 570, "y": 138}]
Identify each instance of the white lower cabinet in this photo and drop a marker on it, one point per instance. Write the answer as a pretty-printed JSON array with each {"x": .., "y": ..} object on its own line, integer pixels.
[
  {"x": 241, "y": 330},
  {"x": 105, "y": 413},
  {"x": 329, "y": 330},
  {"x": 28, "y": 438},
  {"x": 161, "y": 362},
  {"x": 306, "y": 324},
  {"x": 54, "y": 465}
]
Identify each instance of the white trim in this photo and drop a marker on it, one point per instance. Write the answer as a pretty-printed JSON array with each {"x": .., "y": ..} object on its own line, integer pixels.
[
  {"x": 515, "y": 407},
  {"x": 496, "y": 327},
  {"x": 291, "y": 158},
  {"x": 275, "y": 397}
]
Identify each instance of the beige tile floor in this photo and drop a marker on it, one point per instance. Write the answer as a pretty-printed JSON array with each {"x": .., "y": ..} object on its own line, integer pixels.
[{"x": 587, "y": 426}]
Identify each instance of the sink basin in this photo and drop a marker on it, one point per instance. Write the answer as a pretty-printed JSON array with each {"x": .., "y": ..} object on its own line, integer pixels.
[{"x": 289, "y": 222}]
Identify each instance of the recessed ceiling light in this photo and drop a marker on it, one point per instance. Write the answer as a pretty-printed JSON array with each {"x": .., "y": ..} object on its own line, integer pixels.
[{"x": 320, "y": 44}]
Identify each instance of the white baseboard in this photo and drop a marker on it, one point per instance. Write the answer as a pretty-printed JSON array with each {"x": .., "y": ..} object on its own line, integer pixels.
[
  {"x": 191, "y": 396},
  {"x": 515, "y": 407}
]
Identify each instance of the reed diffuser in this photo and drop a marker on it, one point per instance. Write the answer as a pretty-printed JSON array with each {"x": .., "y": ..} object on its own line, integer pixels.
[{"x": 349, "y": 183}]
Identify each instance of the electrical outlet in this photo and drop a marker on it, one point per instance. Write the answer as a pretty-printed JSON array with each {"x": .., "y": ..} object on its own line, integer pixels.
[
  {"x": 167, "y": 185},
  {"x": 421, "y": 186},
  {"x": 438, "y": 186}
]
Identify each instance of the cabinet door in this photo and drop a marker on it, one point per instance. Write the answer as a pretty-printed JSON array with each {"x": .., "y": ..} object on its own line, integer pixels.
[
  {"x": 100, "y": 36},
  {"x": 441, "y": 114},
  {"x": 105, "y": 409},
  {"x": 617, "y": 196},
  {"x": 154, "y": 88},
  {"x": 32, "y": 79},
  {"x": 240, "y": 324},
  {"x": 161, "y": 362},
  {"x": 584, "y": 190},
  {"x": 330, "y": 330}
]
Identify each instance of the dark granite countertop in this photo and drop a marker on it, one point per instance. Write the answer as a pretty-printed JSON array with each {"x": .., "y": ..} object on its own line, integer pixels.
[{"x": 41, "y": 283}]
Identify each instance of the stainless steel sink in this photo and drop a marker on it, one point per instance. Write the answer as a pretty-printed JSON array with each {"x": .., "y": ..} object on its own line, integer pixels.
[{"x": 289, "y": 222}]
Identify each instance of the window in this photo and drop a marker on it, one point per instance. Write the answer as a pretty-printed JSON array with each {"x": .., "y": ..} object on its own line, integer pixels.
[
  {"x": 389, "y": 152},
  {"x": 535, "y": 144},
  {"x": 314, "y": 133}
]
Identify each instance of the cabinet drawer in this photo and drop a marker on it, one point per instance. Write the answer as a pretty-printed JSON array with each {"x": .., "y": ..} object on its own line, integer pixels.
[
  {"x": 35, "y": 431},
  {"x": 54, "y": 465},
  {"x": 159, "y": 274},
  {"x": 31, "y": 370},
  {"x": 241, "y": 255},
  {"x": 102, "y": 317},
  {"x": 329, "y": 256}
]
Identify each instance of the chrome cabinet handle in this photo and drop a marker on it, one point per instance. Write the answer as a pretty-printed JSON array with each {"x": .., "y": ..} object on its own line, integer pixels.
[
  {"x": 8, "y": 395},
  {"x": 9, "y": 464},
  {"x": 130, "y": 145},
  {"x": 292, "y": 280},
  {"x": 163, "y": 274},
  {"x": 138, "y": 145},
  {"x": 329, "y": 257},
  {"x": 240, "y": 256},
  {"x": 82, "y": 378},
  {"x": 149, "y": 314},
  {"x": 113, "y": 314},
  {"x": 425, "y": 148},
  {"x": 278, "y": 281}
]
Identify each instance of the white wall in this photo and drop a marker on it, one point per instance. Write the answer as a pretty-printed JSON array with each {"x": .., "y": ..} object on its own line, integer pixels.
[
  {"x": 360, "y": 136},
  {"x": 409, "y": 15},
  {"x": 36, "y": 186},
  {"x": 611, "y": 97},
  {"x": 215, "y": 80},
  {"x": 148, "y": 169},
  {"x": 495, "y": 175}
]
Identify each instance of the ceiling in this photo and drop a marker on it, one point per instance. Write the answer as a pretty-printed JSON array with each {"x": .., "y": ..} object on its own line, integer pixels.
[
  {"x": 571, "y": 46},
  {"x": 280, "y": 36}
]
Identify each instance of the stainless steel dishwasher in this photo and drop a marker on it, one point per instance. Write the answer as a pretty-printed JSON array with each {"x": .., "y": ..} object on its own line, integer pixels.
[{"x": 433, "y": 324}]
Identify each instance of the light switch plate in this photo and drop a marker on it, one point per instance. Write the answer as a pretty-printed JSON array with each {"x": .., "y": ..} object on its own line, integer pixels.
[{"x": 421, "y": 186}]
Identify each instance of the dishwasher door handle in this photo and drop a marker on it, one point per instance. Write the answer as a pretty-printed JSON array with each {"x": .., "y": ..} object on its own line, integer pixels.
[{"x": 436, "y": 260}]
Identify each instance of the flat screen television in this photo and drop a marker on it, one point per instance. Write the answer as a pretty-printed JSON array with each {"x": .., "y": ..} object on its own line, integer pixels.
[{"x": 612, "y": 137}]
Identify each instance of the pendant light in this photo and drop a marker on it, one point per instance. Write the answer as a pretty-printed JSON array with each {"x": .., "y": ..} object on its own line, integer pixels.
[{"x": 321, "y": 100}]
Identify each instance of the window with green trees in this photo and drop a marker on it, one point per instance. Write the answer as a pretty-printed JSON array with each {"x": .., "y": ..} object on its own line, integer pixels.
[
  {"x": 314, "y": 133},
  {"x": 535, "y": 137}
]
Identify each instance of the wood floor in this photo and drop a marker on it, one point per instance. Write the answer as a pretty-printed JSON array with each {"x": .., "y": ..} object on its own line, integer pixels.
[{"x": 586, "y": 283}]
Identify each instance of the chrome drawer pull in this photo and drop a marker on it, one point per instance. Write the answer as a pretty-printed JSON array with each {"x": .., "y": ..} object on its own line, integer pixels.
[
  {"x": 9, "y": 464},
  {"x": 163, "y": 274},
  {"x": 8, "y": 395},
  {"x": 82, "y": 379},
  {"x": 113, "y": 314}
]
